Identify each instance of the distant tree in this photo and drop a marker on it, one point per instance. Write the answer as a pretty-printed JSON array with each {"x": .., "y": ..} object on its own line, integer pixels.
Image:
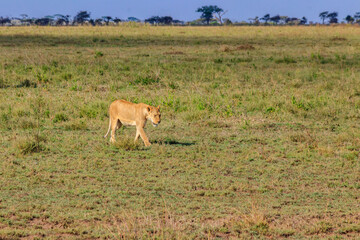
[
  {"x": 24, "y": 16},
  {"x": 219, "y": 13},
  {"x": 92, "y": 22},
  {"x": 349, "y": 19},
  {"x": 357, "y": 17},
  {"x": 177, "y": 22},
  {"x": 266, "y": 18},
  {"x": 209, "y": 11},
  {"x": 99, "y": 21},
  {"x": 117, "y": 20},
  {"x": 166, "y": 20},
  {"x": 303, "y": 21},
  {"x": 323, "y": 16},
  {"x": 51, "y": 19},
  {"x": 153, "y": 20},
  {"x": 333, "y": 17},
  {"x": 284, "y": 19},
  {"x": 43, "y": 21},
  {"x": 133, "y": 19},
  {"x": 62, "y": 19},
  {"x": 5, "y": 20},
  {"x": 254, "y": 20},
  {"x": 25, "y": 19},
  {"x": 106, "y": 19},
  {"x": 227, "y": 22},
  {"x": 292, "y": 20},
  {"x": 81, "y": 17},
  {"x": 275, "y": 19}
]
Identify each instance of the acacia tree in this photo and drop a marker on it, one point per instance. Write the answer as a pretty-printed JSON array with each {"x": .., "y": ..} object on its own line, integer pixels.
[
  {"x": 275, "y": 19},
  {"x": 117, "y": 20},
  {"x": 62, "y": 19},
  {"x": 153, "y": 20},
  {"x": 303, "y": 21},
  {"x": 266, "y": 18},
  {"x": 333, "y": 17},
  {"x": 81, "y": 17},
  {"x": 349, "y": 19},
  {"x": 284, "y": 19},
  {"x": 4, "y": 20},
  {"x": 166, "y": 20},
  {"x": 106, "y": 19},
  {"x": 209, "y": 11},
  {"x": 254, "y": 20},
  {"x": 292, "y": 20},
  {"x": 218, "y": 15},
  {"x": 323, "y": 16},
  {"x": 133, "y": 19}
]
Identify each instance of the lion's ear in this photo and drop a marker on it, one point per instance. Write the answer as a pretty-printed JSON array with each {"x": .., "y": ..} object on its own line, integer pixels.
[
  {"x": 158, "y": 107},
  {"x": 148, "y": 109}
]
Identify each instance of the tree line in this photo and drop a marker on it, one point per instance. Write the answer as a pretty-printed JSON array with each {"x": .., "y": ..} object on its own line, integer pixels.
[{"x": 210, "y": 15}]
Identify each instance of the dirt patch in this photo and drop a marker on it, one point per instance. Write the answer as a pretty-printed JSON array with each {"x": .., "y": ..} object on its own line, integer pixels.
[
  {"x": 338, "y": 39},
  {"x": 245, "y": 47},
  {"x": 41, "y": 223}
]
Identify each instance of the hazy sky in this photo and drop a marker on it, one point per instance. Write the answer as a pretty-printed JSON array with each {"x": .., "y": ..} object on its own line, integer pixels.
[{"x": 182, "y": 10}]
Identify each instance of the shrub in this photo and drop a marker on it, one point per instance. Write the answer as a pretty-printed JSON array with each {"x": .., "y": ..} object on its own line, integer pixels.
[
  {"x": 300, "y": 104},
  {"x": 98, "y": 54},
  {"x": 31, "y": 145},
  {"x": 60, "y": 117},
  {"x": 270, "y": 110},
  {"x": 26, "y": 83}
]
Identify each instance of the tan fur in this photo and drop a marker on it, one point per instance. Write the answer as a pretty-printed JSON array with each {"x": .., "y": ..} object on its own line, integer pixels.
[{"x": 131, "y": 114}]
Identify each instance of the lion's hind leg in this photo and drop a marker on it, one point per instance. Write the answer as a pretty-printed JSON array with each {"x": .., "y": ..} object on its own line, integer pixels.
[{"x": 115, "y": 124}]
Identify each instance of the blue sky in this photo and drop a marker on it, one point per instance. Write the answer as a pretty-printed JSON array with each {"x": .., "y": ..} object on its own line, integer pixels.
[{"x": 182, "y": 10}]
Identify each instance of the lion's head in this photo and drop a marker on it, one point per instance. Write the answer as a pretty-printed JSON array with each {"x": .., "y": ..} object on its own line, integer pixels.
[{"x": 153, "y": 113}]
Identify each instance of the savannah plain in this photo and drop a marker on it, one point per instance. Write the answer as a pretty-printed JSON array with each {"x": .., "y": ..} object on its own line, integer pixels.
[{"x": 259, "y": 135}]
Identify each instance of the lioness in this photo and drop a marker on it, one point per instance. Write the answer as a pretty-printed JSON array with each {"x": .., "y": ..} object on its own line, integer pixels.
[{"x": 131, "y": 114}]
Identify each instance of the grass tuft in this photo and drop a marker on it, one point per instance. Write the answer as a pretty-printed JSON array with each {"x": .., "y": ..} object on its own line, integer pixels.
[
  {"x": 127, "y": 144},
  {"x": 30, "y": 145}
]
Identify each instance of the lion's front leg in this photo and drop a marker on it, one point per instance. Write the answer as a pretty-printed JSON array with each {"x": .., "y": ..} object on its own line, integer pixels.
[{"x": 140, "y": 131}]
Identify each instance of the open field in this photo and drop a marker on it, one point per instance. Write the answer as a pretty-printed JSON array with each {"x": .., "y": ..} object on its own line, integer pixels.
[{"x": 259, "y": 136}]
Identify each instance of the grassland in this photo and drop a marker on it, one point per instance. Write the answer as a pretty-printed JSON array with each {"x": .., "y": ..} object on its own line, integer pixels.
[{"x": 259, "y": 135}]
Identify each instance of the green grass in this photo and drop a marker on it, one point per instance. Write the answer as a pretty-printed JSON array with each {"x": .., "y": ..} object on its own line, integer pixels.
[{"x": 259, "y": 135}]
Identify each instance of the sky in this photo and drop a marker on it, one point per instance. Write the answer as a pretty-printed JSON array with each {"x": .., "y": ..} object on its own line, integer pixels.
[{"x": 237, "y": 10}]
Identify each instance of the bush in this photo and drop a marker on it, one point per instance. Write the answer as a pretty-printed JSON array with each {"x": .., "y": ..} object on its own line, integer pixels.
[
  {"x": 98, "y": 54},
  {"x": 60, "y": 117},
  {"x": 26, "y": 83},
  {"x": 31, "y": 145}
]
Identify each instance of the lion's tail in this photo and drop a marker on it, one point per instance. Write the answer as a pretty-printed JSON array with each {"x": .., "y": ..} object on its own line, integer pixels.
[{"x": 109, "y": 128}]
